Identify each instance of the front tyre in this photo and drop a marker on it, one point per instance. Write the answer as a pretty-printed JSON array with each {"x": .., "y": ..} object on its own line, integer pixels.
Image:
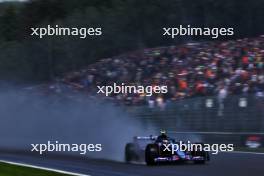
[{"x": 151, "y": 152}]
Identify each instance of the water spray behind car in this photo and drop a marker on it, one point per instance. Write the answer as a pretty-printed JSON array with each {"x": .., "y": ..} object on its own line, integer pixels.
[{"x": 35, "y": 119}]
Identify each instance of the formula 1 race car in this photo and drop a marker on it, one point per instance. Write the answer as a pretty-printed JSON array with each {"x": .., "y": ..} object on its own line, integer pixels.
[{"x": 156, "y": 149}]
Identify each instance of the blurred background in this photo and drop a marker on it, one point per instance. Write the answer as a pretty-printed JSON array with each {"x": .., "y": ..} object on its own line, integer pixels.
[
  {"x": 128, "y": 25},
  {"x": 216, "y": 87}
]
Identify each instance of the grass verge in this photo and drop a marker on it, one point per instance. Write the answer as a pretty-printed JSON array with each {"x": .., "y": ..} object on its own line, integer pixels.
[{"x": 12, "y": 170}]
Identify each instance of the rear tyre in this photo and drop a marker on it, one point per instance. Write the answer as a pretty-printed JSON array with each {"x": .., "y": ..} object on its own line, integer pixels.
[
  {"x": 130, "y": 152},
  {"x": 151, "y": 152},
  {"x": 202, "y": 153}
]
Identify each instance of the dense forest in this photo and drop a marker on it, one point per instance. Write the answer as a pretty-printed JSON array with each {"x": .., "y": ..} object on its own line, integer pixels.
[{"x": 127, "y": 25}]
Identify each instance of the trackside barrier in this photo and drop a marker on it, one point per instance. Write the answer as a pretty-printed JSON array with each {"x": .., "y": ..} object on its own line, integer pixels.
[{"x": 236, "y": 118}]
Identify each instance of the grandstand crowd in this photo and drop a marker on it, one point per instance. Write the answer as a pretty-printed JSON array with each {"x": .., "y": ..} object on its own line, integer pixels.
[{"x": 189, "y": 70}]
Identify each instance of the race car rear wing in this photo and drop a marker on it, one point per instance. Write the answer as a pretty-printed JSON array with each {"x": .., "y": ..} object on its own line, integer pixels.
[{"x": 146, "y": 137}]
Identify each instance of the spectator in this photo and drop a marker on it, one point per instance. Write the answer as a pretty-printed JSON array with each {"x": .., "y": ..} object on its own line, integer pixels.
[{"x": 193, "y": 69}]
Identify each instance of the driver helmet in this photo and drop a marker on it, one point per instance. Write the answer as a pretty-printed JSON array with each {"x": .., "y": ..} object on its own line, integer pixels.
[{"x": 163, "y": 132}]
